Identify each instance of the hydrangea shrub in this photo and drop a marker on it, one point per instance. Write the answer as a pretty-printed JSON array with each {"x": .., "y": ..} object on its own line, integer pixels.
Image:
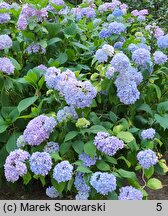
[{"x": 84, "y": 106}]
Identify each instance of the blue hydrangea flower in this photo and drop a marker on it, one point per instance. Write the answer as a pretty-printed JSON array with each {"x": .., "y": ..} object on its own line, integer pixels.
[
  {"x": 109, "y": 72},
  {"x": 52, "y": 77},
  {"x": 159, "y": 57},
  {"x": 141, "y": 18},
  {"x": 6, "y": 66},
  {"x": 96, "y": 22},
  {"x": 104, "y": 33},
  {"x": 52, "y": 192},
  {"x": 66, "y": 113},
  {"x": 141, "y": 56},
  {"x": 148, "y": 133},
  {"x": 107, "y": 144},
  {"x": 5, "y": 42},
  {"x": 15, "y": 165},
  {"x": 103, "y": 182},
  {"x": 63, "y": 171},
  {"x": 117, "y": 12},
  {"x": 118, "y": 45},
  {"x": 20, "y": 141},
  {"x": 116, "y": 28},
  {"x": 130, "y": 193},
  {"x": 51, "y": 147},
  {"x": 162, "y": 42},
  {"x": 39, "y": 129},
  {"x": 147, "y": 158},
  {"x": 40, "y": 163},
  {"x": 132, "y": 47},
  {"x": 87, "y": 160},
  {"x": 120, "y": 62},
  {"x": 80, "y": 183},
  {"x": 82, "y": 196},
  {"x": 101, "y": 56}
]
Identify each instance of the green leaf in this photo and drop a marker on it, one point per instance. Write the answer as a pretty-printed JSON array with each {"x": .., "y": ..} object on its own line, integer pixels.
[
  {"x": 15, "y": 63},
  {"x": 154, "y": 184},
  {"x": 125, "y": 136},
  {"x": 112, "y": 196},
  {"x": 80, "y": 46},
  {"x": 62, "y": 58},
  {"x": 83, "y": 169},
  {"x": 78, "y": 146},
  {"x": 70, "y": 135},
  {"x": 149, "y": 172},
  {"x": 3, "y": 155},
  {"x": 158, "y": 91},
  {"x": 70, "y": 184},
  {"x": 127, "y": 174},
  {"x": 113, "y": 117},
  {"x": 25, "y": 103},
  {"x": 71, "y": 29},
  {"x": 126, "y": 161},
  {"x": 55, "y": 156},
  {"x": 163, "y": 121},
  {"x": 102, "y": 165},
  {"x": 110, "y": 159},
  {"x": 65, "y": 147},
  {"x": 90, "y": 149},
  {"x": 53, "y": 28},
  {"x": 96, "y": 128},
  {"x": 58, "y": 186},
  {"x": 27, "y": 178},
  {"x": 53, "y": 41},
  {"x": 11, "y": 144},
  {"x": 43, "y": 181},
  {"x": 146, "y": 108},
  {"x": 162, "y": 107}
]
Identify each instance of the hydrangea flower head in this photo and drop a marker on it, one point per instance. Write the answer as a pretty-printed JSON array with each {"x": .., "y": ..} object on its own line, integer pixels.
[
  {"x": 148, "y": 133},
  {"x": 80, "y": 183},
  {"x": 120, "y": 62},
  {"x": 141, "y": 56},
  {"x": 39, "y": 129},
  {"x": 87, "y": 160},
  {"x": 162, "y": 42},
  {"x": 63, "y": 171},
  {"x": 15, "y": 165},
  {"x": 66, "y": 113},
  {"x": 159, "y": 57},
  {"x": 6, "y": 66},
  {"x": 130, "y": 193},
  {"x": 107, "y": 144},
  {"x": 40, "y": 163},
  {"x": 103, "y": 183},
  {"x": 51, "y": 147},
  {"x": 5, "y": 42},
  {"x": 52, "y": 192},
  {"x": 147, "y": 158}
]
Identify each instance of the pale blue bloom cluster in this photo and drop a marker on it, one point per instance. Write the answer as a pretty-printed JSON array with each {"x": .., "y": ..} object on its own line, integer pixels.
[
  {"x": 20, "y": 141},
  {"x": 130, "y": 193},
  {"x": 120, "y": 62},
  {"x": 36, "y": 48},
  {"x": 63, "y": 171},
  {"x": 51, "y": 147},
  {"x": 141, "y": 56},
  {"x": 4, "y": 17},
  {"x": 159, "y": 57},
  {"x": 81, "y": 186},
  {"x": 39, "y": 129},
  {"x": 66, "y": 113},
  {"x": 148, "y": 133},
  {"x": 87, "y": 160},
  {"x": 6, "y": 66},
  {"x": 162, "y": 42},
  {"x": 52, "y": 192},
  {"x": 103, "y": 53},
  {"x": 108, "y": 144},
  {"x": 40, "y": 163},
  {"x": 103, "y": 183},
  {"x": 5, "y": 42},
  {"x": 76, "y": 93},
  {"x": 147, "y": 158},
  {"x": 15, "y": 165},
  {"x": 110, "y": 72}
]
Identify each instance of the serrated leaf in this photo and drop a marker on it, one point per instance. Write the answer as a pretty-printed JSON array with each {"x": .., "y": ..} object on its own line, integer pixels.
[
  {"x": 163, "y": 121},
  {"x": 78, "y": 146},
  {"x": 96, "y": 128},
  {"x": 149, "y": 172},
  {"x": 25, "y": 103},
  {"x": 70, "y": 135},
  {"x": 90, "y": 149},
  {"x": 102, "y": 165},
  {"x": 125, "y": 136}
]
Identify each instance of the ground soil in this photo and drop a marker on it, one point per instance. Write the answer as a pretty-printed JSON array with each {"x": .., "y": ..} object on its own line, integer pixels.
[{"x": 37, "y": 192}]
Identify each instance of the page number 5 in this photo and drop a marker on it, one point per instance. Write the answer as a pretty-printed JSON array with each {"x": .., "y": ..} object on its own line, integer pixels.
[{"x": 159, "y": 207}]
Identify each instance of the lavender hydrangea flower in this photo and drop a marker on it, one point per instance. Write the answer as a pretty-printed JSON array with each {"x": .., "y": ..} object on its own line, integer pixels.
[
  {"x": 141, "y": 56},
  {"x": 66, "y": 113},
  {"x": 132, "y": 47},
  {"x": 52, "y": 77},
  {"x": 116, "y": 28},
  {"x": 15, "y": 165},
  {"x": 80, "y": 183},
  {"x": 101, "y": 56},
  {"x": 108, "y": 49},
  {"x": 58, "y": 2},
  {"x": 4, "y": 5},
  {"x": 22, "y": 22},
  {"x": 96, "y": 22},
  {"x": 36, "y": 48},
  {"x": 162, "y": 42},
  {"x": 141, "y": 18},
  {"x": 87, "y": 160},
  {"x": 82, "y": 196},
  {"x": 6, "y": 66},
  {"x": 39, "y": 129},
  {"x": 103, "y": 182},
  {"x": 148, "y": 133},
  {"x": 42, "y": 14},
  {"x": 4, "y": 18},
  {"x": 52, "y": 192},
  {"x": 104, "y": 33},
  {"x": 110, "y": 72},
  {"x": 147, "y": 158},
  {"x": 120, "y": 62},
  {"x": 63, "y": 171},
  {"x": 158, "y": 32},
  {"x": 130, "y": 193},
  {"x": 51, "y": 147},
  {"x": 5, "y": 42},
  {"x": 107, "y": 144},
  {"x": 40, "y": 163},
  {"x": 118, "y": 45},
  {"x": 159, "y": 57}
]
